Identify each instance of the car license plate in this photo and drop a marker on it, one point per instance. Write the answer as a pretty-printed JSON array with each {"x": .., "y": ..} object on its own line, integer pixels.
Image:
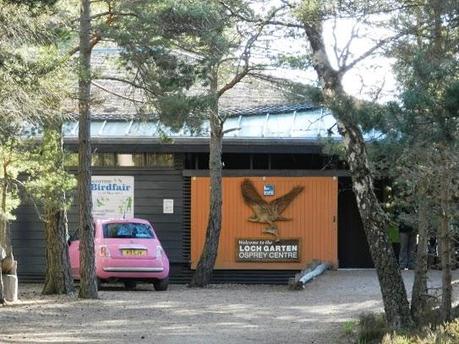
[{"x": 132, "y": 252}]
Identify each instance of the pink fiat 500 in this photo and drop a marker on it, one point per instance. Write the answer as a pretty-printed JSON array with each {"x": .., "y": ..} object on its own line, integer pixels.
[{"x": 126, "y": 250}]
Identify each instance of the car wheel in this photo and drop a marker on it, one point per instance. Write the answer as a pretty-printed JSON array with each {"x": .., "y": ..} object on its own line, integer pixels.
[
  {"x": 130, "y": 285},
  {"x": 161, "y": 285},
  {"x": 98, "y": 283}
]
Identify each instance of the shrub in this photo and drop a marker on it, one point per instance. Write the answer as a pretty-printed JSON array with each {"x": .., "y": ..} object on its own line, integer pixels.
[{"x": 372, "y": 328}]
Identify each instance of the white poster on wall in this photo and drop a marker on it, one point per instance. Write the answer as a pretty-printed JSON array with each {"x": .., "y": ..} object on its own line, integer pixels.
[
  {"x": 112, "y": 196},
  {"x": 168, "y": 206}
]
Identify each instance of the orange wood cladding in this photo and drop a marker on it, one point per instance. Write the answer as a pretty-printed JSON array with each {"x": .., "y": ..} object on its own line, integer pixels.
[{"x": 313, "y": 217}]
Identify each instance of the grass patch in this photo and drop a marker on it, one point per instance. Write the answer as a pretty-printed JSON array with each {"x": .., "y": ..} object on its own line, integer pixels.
[
  {"x": 350, "y": 327},
  {"x": 372, "y": 329},
  {"x": 447, "y": 333}
]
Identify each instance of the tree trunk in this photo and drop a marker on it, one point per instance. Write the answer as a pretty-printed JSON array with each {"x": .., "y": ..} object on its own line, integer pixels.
[
  {"x": 88, "y": 285},
  {"x": 5, "y": 235},
  {"x": 58, "y": 278},
  {"x": 419, "y": 291},
  {"x": 5, "y": 243},
  {"x": 2, "y": 299},
  {"x": 374, "y": 219},
  {"x": 445, "y": 242},
  {"x": 204, "y": 269}
]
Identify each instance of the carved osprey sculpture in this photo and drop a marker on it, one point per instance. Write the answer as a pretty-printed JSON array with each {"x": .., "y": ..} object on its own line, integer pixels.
[{"x": 267, "y": 212}]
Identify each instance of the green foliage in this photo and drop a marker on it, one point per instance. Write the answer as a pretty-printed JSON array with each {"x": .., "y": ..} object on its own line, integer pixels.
[
  {"x": 298, "y": 93},
  {"x": 349, "y": 327},
  {"x": 32, "y": 3},
  {"x": 48, "y": 183},
  {"x": 33, "y": 82},
  {"x": 428, "y": 70},
  {"x": 178, "y": 51},
  {"x": 372, "y": 327},
  {"x": 302, "y": 62},
  {"x": 445, "y": 334},
  {"x": 12, "y": 163},
  {"x": 177, "y": 109}
]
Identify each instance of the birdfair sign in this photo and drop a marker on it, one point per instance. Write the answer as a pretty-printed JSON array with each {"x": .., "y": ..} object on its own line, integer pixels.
[
  {"x": 112, "y": 196},
  {"x": 268, "y": 251}
]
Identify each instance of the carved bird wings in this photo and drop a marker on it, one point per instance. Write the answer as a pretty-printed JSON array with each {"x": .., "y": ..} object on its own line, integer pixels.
[{"x": 267, "y": 212}]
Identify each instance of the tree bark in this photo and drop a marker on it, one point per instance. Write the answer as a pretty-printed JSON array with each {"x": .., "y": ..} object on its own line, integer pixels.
[
  {"x": 5, "y": 242},
  {"x": 445, "y": 242},
  {"x": 204, "y": 269},
  {"x": 58, "y": 278},
  {"x": 374, "y": 219},
  {"x": 2, "y": 299},
  {"x": 419, "y": 291},
  {"x": 5, "y": 235},
  {"x": 88, "y": 285}
]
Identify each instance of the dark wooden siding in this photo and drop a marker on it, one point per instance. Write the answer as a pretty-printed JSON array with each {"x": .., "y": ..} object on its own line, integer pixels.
[
  {"x": 353, "y": 251},
  {"x": 151, "y": 187},
  {"x": 28, "y": 242}
]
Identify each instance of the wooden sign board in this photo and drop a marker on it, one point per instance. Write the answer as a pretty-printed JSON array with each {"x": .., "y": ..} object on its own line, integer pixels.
[{"x": 268, "y": 251}]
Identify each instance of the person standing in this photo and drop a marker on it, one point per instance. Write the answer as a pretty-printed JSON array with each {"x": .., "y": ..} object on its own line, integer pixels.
[{"x": 407, "y": 256}]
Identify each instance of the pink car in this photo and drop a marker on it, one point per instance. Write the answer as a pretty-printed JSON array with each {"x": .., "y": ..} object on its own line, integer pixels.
[{"x": 126, "y": 250}]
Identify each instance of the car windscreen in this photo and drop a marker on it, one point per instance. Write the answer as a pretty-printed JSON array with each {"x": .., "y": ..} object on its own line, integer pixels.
[{"x": 128, "y": 230}]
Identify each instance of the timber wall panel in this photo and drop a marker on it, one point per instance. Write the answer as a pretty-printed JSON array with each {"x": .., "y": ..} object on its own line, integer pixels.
[
  {"x": 313, "y": 214},
  {"x": 149, "y": 191}
]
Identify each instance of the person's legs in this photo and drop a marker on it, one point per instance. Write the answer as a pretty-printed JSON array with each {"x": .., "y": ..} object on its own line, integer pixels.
[
  {"x": 411, "y": 251},
  {"x": 403, "y": 256}
]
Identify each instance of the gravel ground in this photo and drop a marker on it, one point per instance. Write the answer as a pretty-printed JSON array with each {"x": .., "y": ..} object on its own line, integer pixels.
[{"x": 217, "y": 314}]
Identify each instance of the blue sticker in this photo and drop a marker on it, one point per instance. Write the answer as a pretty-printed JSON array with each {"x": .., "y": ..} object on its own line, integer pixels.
[{"x": 268, "y": 190}]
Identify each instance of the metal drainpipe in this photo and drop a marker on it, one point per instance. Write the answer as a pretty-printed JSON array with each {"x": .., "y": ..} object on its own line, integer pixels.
[
  {"x": 102, "y": 128},
  {"x": 265, "y": 125},
  {"x": 293, "y": 123},
  {"x": 129, "y": 127}
]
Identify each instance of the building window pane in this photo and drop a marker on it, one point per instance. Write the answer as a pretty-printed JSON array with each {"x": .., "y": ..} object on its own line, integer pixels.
[
  {"x": 130, "y": 160},
  {"x": 260, "y": 161},
  {"x": 71, "y": 159},
  {"x": 124, "y": 160},
  {"x": 159, "y": 160},
  {"x": 236, "y": 161},
  {"x": 103, "y": 160}
]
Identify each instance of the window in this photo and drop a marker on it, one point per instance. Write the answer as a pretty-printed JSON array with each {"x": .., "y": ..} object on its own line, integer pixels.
[
  {"x": 128, "y": 230},
  {"x": 261, "y": 161},
  {"x": 130, "y": 160},
  {"x": 124, "y": 160},
  {"x": 236, "y": 161},
  {"x": 71, "y": 159},
  {"x": 159, "y": 160},
  {"x": 103, "y": 160}
]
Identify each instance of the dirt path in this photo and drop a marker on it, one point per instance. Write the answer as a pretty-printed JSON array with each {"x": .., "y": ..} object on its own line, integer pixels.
[{"x": 218, "y": 314}]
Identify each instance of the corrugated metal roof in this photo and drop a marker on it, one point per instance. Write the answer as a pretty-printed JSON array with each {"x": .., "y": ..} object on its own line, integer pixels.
[{"x": 286, "y": 121}]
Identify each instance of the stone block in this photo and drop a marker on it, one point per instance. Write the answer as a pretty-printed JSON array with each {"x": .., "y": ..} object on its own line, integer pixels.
[{"x": 10, "y": 288}]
